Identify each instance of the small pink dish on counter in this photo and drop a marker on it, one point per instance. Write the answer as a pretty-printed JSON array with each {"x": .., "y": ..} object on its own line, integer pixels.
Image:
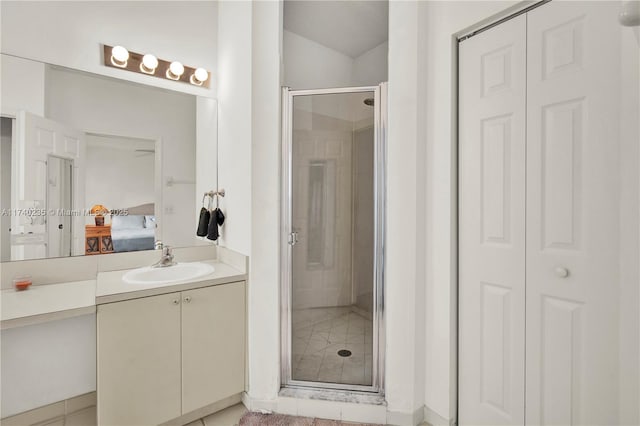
[{"x": 22, "y": 282}]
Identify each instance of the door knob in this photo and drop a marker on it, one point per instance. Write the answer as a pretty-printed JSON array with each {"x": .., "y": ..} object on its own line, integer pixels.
[
  {"x": 561, "y": 272},
  {"x": 175, "y": 301},
  {"x": 187, "y": 299}
]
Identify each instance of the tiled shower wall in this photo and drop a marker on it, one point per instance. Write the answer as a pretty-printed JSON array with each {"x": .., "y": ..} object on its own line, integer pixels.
[{"x": 328, "y": 140}]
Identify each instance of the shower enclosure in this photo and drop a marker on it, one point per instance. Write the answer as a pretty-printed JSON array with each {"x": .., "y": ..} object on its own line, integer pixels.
[{"x": 333, "y": 238}]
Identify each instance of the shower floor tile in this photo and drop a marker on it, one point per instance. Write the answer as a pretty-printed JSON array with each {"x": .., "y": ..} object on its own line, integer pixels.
[{"x": 318, "y": 335}]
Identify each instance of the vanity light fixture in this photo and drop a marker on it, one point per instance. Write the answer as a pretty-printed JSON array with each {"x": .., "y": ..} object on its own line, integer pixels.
[
  {"x": 175, "y": 71},
  {"x": 119, "y": 56},
  {"x": 148, "y": 64}
]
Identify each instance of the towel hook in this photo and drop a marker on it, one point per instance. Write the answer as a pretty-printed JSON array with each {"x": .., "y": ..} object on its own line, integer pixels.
[{"x": 211, "y": 194}]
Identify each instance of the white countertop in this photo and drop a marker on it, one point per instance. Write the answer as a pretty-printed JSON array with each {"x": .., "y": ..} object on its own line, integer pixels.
[
  {"x": 40, "y": 300},
  {"x": 41, "y": 303},
  {"x": 111, "y": 288}
]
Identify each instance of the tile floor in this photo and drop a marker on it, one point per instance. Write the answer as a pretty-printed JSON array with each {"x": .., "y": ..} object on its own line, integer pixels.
[
  {"x": 227, "y": 417},
  {"x": 318, "y": 335}
]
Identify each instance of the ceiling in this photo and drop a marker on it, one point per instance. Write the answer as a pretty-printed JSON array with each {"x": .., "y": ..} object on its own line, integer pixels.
[{"x": 350, "y": 27}]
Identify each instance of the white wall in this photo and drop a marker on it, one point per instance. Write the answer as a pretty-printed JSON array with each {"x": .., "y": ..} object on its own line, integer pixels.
[
  {"x": 71, "y": 34},
  {"x": 108, "y": 106},
  {"x": 370, "y": 68},
  {"x": 47, "y": 363},
  {"x": 264, "y": 278},
  {"x": 404, "y": 338},
  {"x": 234, "y": 122},
  {"x": 310, "y": 65},
  {"x": 22, "y": 85}
]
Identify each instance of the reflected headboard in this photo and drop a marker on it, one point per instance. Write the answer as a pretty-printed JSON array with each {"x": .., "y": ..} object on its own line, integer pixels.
[{"x": 143, "y": 210}]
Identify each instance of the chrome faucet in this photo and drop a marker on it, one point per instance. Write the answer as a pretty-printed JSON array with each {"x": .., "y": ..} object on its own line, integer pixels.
[{"x": 166, "y": 259}]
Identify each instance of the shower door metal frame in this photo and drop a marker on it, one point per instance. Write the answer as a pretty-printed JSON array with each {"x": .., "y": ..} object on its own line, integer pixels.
[{"x": 286, "y": 228}]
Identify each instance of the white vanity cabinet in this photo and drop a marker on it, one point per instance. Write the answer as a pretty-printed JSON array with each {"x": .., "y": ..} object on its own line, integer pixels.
[{"x": 164, "y": 356}]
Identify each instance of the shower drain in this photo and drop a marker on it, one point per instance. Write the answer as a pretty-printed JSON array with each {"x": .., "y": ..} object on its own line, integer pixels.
[{"x": 344, "y": 352}]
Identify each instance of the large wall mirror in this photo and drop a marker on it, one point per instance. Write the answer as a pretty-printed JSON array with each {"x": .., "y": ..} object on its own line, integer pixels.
[{"x": 99, "y": 165}]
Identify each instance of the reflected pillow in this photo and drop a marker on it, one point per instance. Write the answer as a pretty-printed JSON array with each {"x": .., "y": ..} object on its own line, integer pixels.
[
  {"x": 149, "y": 221},
  {"x": 127, "y": 222}
]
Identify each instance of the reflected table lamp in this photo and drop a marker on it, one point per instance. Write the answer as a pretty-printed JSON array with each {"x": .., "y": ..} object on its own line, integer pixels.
[{"x": 99, "y": 211}]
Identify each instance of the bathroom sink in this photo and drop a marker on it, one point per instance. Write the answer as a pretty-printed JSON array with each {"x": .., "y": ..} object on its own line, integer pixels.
[{"x": 168, "y": 274}]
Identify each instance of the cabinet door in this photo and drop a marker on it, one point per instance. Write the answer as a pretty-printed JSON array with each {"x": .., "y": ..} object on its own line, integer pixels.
[
  {"x": 139, "y": 361},
  {"x": 213, "y": 344}
]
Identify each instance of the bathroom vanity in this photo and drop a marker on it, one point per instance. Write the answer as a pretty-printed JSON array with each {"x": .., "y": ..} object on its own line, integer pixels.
[
  {"x": 177, "y": 350},
  {"x": 158, "y": 350}
]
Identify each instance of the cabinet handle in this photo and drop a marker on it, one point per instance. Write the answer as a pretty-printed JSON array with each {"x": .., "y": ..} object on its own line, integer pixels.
[
  {"x": 175, "y": 301},
  {"x": 561, "y": 272},
  {"x": 187, "y": 299}
]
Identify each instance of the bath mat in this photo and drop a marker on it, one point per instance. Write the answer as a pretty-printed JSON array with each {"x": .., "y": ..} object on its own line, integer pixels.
[{"x": 258, "y": 419}]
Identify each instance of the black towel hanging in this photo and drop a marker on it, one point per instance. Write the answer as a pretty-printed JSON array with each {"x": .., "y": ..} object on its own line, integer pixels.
[
  {"x": 205, "y": 216},
  {"x": 217, "y": 219},
  {"x": 203, "y": 222}
]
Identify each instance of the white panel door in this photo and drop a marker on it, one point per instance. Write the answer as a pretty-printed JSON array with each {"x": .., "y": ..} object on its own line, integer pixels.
[
  {"x": 492, "y": 229},
  {"x": 572, "y": 215},
  {"x": 38, "y": 138}
]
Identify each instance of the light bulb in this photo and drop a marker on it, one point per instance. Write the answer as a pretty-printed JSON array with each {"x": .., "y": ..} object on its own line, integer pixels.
[
  {"x": 149, "y": 64},
  {"x": 176, "y": 69},
  {"x": 199, "y": 76},
  {"x": 119, "y": 56}
]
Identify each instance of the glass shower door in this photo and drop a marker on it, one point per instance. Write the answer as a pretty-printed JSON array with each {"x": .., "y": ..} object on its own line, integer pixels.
[{"x": 332, "y": 292}]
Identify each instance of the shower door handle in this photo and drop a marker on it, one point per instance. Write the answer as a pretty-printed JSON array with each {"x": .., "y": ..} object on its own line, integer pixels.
[{"x": 293, "y": 238}]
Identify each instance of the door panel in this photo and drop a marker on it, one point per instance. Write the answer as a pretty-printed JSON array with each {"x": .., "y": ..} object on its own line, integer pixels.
[
  {"x": 572, "y": 219},
  {"x": 492, "y": 245},
  {"x": 139, "y": 361},
  {"x": 213, "y": 342}
]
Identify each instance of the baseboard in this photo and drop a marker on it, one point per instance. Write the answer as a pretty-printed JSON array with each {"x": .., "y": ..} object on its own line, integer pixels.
[
  {"x": 307, "y": 407},
  {"x": 259, "y": 405},
  {"x": 288, "y": 403},
  {"x": 404, "y": 418},
  {"x": 79, "y": 409},
  {"x": 434, "y": 419}
]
